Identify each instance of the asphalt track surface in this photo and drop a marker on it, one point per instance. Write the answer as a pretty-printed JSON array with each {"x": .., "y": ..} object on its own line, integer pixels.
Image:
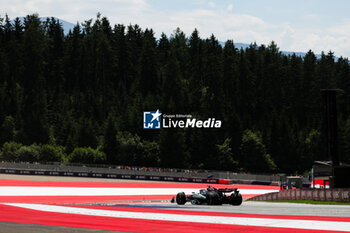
[
  {"x": 25, "y": 211},
  {"x": 257, "y": 207}
]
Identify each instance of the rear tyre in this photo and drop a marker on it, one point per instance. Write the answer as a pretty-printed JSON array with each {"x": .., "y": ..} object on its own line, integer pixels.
[
  {"x": 181, "y": 198},
  {"x": 213, "y": 198},
  {"x": 236, "y": 199}
]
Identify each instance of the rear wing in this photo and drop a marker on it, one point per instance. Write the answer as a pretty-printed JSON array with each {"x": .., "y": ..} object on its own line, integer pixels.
[{"x": 227, "y": 190}]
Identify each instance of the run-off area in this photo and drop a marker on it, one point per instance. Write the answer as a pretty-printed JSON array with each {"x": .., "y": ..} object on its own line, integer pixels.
[{"x": 146, "y": 207}]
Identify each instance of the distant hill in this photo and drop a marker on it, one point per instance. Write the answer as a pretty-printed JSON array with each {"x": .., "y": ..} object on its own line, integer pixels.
[
  {"x": 287, "y": 53},
  {"x": 65, "y": 25},
  {"x": 69, "y": 26}
]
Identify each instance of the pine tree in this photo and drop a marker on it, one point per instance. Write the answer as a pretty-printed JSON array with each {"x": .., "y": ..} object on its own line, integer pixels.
[
  {"x": 110, "y": 146},
  {"x": 35, "y": 111}
]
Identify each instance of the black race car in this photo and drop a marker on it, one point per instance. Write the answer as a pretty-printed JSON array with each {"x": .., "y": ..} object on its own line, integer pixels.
[{"x": 210, "y": 196}]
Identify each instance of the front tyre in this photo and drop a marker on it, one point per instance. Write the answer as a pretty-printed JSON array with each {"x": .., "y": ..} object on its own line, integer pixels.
[
  {"x": 181, "y": 198},
  {"x": 195, "y": 202}
]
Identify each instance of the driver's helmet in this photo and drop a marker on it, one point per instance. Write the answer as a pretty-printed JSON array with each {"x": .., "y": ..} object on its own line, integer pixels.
[
  {"x": 203, "y": 191},
  {"x": 210, "y": 188}
]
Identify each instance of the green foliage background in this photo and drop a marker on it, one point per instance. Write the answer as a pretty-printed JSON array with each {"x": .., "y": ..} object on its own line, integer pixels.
[{"x": 80, "y": 98}]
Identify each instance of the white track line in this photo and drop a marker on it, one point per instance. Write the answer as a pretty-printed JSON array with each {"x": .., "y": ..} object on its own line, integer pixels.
[
  {"x": 263, "y": 222},
  {"x": 77, "y": 191}
]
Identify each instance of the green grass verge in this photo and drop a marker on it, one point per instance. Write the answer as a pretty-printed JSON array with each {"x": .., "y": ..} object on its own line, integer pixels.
[{"x": 312, "y": 202}]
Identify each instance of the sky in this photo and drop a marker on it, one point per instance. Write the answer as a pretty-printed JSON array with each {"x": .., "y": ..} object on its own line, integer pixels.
[{"x": 298, "y": 25}]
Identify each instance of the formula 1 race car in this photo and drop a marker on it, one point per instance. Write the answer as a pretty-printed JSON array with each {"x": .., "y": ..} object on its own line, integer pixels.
[{"x": 210, "y": 196}]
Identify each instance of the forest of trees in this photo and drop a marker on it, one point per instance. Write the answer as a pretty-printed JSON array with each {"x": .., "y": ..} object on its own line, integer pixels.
[{"x": 80, "y": 98}]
